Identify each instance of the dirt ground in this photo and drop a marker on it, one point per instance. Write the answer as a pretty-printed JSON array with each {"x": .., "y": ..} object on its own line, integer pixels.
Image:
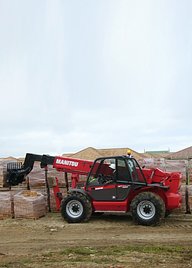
[{"x": 111, "y": 241}]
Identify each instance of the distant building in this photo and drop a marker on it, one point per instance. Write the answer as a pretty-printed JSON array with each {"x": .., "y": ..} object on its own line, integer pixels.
[
  {"x": 182, "y": 154},
  {"x": 157, "y": 154},
  {"x": 91, "y": 153}
]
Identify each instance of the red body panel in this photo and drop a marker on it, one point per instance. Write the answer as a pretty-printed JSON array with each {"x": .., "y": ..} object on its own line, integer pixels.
[
  {"x": 120, "y": 206},
  {"x": 71, "y": 165},
  {"x": 171, "y": 179},
  {"x": 174, "y": 201},
  {"x": 172, "y": 197}
]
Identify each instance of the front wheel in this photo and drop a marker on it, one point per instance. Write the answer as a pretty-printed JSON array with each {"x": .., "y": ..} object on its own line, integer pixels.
[
  {"x": 76, "y": 208},
  {"x": 147, "y": 208}
]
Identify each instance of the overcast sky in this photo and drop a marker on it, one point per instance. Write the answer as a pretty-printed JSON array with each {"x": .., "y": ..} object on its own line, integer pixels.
[{"x": 100, "y": 73}]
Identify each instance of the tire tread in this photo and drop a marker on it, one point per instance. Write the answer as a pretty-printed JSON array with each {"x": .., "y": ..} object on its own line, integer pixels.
[
  {"x": 86, "y": 205},
  {"x": 159, "y": 206}
]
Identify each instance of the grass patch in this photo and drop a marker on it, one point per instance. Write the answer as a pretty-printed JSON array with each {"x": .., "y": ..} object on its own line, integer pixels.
[
  {"x": 126, "y": 248},
  {"x": 107, "y": 256},
  {"x": 154, "y": 249},
  {"x": 79, "y": 250},
  {"x": 115, "y": 254}
]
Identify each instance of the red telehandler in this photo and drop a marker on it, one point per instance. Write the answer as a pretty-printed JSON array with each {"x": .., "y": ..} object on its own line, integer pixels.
[{"x": 114, "y": 184}]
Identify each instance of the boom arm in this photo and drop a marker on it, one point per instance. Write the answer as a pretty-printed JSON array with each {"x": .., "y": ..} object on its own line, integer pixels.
[{"x": 16, "y": 172}]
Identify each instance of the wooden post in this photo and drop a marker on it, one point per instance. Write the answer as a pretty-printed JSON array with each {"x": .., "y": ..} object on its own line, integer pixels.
[
  {"x": 188, "y": 211},
  {"x": 48, "y": 189}
]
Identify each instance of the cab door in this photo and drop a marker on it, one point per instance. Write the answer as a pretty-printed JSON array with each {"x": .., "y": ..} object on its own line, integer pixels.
[
  {"x": 123, "y": 180},
  {"x": 101, "y": 184},
  {"x": 103, "y": 192}
]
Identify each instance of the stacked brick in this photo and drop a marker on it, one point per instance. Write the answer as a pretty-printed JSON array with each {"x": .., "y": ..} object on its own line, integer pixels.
[
  {"x": 29, "y": 204},
  {"x": 189, "y": 192},
  {"x": 166, "y": 165},
  {"x": 183, "y": 191},
  {"x": 24, "y": 204},
  {"x": 37, "y": 183},
  {"x": 2, "y": 175},
  {"x": 6, "y": 205}
]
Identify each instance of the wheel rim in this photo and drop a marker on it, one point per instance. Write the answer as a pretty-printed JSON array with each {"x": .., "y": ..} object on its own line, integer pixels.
[
  {"x": 74, "y": 209},
  {"x": 146, "y": 210}
]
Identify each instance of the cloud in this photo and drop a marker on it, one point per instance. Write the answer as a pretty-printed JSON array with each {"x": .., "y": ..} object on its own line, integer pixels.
[{"x": 75, "y": 74}]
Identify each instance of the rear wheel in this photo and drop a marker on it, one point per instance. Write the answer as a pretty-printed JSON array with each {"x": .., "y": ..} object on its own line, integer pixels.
[
  {"x": 147, "y": 208},
  {"x": 75, "y": 208}
]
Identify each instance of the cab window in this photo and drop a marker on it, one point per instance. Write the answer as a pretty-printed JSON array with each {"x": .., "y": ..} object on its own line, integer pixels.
[
  {"x": 123, "y": 174},
  {"x": 103, "y": 172},
  {"x": 135, "y": 171}
]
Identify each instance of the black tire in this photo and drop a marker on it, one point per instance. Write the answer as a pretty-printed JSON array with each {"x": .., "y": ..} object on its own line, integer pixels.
[
  {"x": 147, "y": 208},
  {"x": 75, "y": 208}
]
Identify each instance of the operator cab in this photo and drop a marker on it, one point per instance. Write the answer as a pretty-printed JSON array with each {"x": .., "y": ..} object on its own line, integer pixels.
[
  {"x": 119, "y": 169},
  {"x": 112, "y": 178}
]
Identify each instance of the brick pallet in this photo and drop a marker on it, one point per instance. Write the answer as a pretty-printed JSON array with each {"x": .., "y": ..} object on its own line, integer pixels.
[
  {"x": 6, "y": 205},
  {"x": 2, "y": 176},
  {"x": 29, "y": 204}
]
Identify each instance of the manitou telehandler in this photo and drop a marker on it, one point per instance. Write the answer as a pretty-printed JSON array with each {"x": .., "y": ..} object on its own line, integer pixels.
[{"x": 114, "y": 184}]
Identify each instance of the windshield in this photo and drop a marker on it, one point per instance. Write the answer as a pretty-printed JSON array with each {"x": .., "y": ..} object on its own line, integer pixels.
[{"x": 135, "y": 170}]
